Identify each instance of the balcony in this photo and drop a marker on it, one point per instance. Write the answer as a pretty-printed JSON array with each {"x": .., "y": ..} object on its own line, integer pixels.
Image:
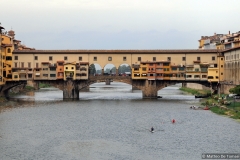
[
  {"x": 204, "y": 70},
  {"x": 83, "y": 69},
  {"x": 22, "y": 71}
]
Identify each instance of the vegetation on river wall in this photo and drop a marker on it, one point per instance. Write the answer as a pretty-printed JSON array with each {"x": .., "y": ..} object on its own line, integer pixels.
[
  {"x": 195, "y": 91},
  {"x": 219, "y": 104},
  {"x": 44, "y": 85}
]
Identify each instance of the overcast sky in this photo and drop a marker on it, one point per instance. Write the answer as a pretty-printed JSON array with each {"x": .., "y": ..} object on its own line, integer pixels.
[{"x": 118, "y": 24}]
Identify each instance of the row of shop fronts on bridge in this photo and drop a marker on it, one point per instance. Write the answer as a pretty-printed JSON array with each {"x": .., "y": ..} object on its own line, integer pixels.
[{"x": 213, "y": 66}]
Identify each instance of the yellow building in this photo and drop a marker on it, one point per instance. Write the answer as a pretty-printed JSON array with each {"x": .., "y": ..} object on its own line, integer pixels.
[
  {"x": 136, "y": 71},
  {"x": 201, "y": 43},
  {"x": 1, "y": 61},
  {"x": 140, "y": 71},
  {"x": 216, "y": 71},
  {"x": 70, "y": 70},
  {"x": 7, "y": 49}
]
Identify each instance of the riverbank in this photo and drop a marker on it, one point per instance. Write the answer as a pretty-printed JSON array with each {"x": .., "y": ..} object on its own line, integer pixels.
[{"x": 219, "y": 104}]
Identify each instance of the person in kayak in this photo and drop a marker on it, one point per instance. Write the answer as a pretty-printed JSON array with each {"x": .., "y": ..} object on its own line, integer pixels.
[{"x": 152, "y": 129}]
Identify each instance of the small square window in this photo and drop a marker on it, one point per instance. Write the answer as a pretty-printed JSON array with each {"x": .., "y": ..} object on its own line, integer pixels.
[
  {"x": 198, "y": 58},
  {"x": 154, "y": 58},
  {"x": 109, "y": 58},
  {"x": 183, "y": 58},
  {"x": 65, "y": 58},
  {"x": 124, "y": 58},
  {"x": 36, "y": 58},
  {"x": 15, "y": 57},
  {"x": 80, "y": 58},
  {"x": 169, "y": 58},
  {"x": 50, "y": 58},
  {"x": 95, "y": 58},
  {"x": 213, "y": 58},
  {"x": 139, "y": 58}
]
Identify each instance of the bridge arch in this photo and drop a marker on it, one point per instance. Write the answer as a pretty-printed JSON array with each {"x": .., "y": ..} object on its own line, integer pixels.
[{"x": 9, "y": 85}]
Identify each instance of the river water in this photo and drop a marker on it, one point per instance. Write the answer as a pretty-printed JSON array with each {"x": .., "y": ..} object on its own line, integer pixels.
[{"x": 112, "y": 123}]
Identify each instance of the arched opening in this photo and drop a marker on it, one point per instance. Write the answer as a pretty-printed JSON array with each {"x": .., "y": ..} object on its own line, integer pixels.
[
  {"x": 124, "y": 70},
  {"x": 110, "y": 69},
  {"x": 95, "y": 69}
]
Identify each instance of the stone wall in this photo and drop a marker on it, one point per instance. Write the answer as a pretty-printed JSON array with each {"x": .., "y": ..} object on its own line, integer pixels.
[
  {"x": 225, "y": 88},
  {"x": 196, "y": 86}
]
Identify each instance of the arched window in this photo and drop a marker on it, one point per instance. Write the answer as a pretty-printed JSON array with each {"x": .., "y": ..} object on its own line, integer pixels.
[{"x": 9, "y": 50}]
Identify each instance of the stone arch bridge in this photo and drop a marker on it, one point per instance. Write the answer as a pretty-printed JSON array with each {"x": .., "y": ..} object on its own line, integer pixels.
[{"x": 72, "y": 87}]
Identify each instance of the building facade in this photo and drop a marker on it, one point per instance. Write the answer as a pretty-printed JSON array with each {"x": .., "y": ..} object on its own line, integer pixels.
[{"x": 220, "y": 41}]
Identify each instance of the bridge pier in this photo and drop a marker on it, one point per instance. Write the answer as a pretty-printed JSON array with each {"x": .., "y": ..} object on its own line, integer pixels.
[
  {"x": 5, "y": 94},
  {"x": 70, "y": 90},
  {"x": 108, "y": 81},
  {"x": 150, "y": 89},
  {"x": 36, "y": 85},
  {"x": 184, "y": 84}
]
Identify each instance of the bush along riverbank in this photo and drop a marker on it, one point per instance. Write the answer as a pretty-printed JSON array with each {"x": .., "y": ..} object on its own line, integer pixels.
[{"x": 220, "y": 104}]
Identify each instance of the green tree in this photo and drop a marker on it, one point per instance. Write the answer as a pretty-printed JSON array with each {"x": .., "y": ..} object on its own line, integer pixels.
[
  {"x": 107, "y": 70},
  {"x": 99, "y": 71},
  {"x": 235, "y": 90},
  {"x": 92, "y": 69},
  {"x": 124, "y": 68},
  {"x": 113, "y": 70}
]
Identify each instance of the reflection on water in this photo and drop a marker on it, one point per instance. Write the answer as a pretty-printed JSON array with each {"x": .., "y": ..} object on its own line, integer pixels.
[{"x": 113, "y": 122}]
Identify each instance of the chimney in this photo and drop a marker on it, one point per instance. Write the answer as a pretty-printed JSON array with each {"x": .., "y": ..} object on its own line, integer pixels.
[{"x": 229, "y": 32}]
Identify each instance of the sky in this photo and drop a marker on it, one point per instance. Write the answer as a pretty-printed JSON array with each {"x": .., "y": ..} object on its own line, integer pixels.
[{"x": 118, "y": 24}]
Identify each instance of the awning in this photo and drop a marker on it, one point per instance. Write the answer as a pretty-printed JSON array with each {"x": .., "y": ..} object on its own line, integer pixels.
[{"x": 37, "y": 74}]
